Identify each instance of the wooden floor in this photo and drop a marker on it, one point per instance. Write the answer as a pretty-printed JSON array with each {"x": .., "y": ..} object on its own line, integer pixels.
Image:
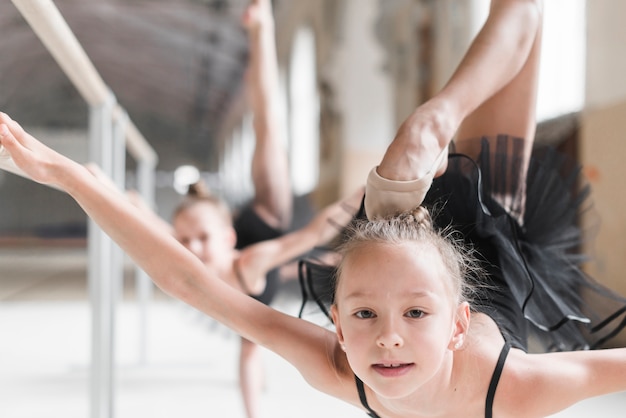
[{"x": 177, "y": 364}]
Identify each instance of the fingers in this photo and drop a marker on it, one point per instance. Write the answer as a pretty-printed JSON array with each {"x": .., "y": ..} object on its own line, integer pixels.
[
  {"x": 10, "y": 123},
  {"x": 27, "y": 154},
  {"x": 4, "y": 129},
  {"x": 4, "y": 154},
  {"x": 12, "y": 130},
  {"x": 4, "y": 117},
  {"x": 6, "y": 139},
  {"x": 9, "y": 132},
  {"x": 7, "y": 149}
]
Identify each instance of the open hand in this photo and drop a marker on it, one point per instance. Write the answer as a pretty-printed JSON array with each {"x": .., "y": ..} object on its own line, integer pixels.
[{"x": 34, "y": 159}]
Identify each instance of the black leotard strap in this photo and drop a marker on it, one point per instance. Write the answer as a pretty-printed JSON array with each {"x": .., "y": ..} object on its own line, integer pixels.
[
  {"x": 495, "y": 378},
  {"x": 361, "y": 389}
]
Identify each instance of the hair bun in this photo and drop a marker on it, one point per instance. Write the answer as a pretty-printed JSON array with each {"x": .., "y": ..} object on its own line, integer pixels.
[
  {"x": 199, "y": 189},
  {"x": 421, "y": 216}
]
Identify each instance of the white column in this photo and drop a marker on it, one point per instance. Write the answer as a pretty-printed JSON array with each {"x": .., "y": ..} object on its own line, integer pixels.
[
  {"x": 143, "y": 283},
  {"x": 100, "y": 271},
  {"x": 364, "y": 92},
  {"x": 118, "y": 175}
]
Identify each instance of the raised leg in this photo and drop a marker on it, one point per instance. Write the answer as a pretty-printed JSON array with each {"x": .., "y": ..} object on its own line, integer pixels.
[
  {"x": 493, "y": 90},
  {"x": 273, "y": 199},
  {"x": 512, "y": 109}
]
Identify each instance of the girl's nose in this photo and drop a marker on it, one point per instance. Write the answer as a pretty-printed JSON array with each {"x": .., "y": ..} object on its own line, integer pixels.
[{"x": 389, "y": 337}]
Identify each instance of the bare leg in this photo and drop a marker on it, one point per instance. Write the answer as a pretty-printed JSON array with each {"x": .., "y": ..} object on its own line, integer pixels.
[
  {"x": 270, "y": 168},
  {"x": 510, "y": 111},
  {"x": 250, "y": 377}
]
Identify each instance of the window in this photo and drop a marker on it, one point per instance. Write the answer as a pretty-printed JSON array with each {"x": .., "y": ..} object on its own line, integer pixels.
[
  {"x": 562, "y": 73},
  {"x": 562, "y": 77},
  {"x": 304, "y": 109}
]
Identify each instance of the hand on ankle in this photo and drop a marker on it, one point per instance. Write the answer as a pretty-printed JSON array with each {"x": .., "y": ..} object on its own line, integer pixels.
[{"x": 419, "y": 143}]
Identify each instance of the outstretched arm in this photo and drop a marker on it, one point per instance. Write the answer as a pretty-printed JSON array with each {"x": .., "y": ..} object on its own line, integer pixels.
[
  {"x": 133, "y": 197},
  {"x": 171, "y": 266},
  {"x": 270, "y": 167},
  {"x": 110, "y": 209},
  {"x": 538, "y": 385}
]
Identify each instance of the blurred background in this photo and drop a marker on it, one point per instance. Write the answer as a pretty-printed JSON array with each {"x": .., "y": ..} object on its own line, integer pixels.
[{"x": 351, "y": 71}]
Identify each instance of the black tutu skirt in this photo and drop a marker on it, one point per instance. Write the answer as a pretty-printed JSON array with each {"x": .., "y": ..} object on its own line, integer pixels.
[{"x": 528, "y": 238}]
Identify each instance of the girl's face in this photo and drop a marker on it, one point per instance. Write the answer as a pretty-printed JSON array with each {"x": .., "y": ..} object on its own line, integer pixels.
[
  {"x": 203, "y": 232},
  {"x": 397, "y": 317}
]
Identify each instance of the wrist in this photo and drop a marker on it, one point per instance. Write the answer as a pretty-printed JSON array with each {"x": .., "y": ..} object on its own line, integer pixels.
[{"x": 70, "y": 177}]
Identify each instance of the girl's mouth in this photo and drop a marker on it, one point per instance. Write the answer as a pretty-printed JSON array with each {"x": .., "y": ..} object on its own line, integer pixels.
[{"x": 392, "y": 369}]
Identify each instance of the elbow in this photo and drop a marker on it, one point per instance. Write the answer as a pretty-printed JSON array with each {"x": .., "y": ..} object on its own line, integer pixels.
[
  {"x": 179, "y": 285},
  {"x": 181, "y": 288}
]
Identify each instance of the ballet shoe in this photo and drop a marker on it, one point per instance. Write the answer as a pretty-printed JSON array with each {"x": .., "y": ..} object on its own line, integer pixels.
[{"x": 384, "y": 197}]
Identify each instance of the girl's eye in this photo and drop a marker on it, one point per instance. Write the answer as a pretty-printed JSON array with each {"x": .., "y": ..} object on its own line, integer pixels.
[
  {"x": 415, "y": 313},
  {"x": 365, "y": 314}
]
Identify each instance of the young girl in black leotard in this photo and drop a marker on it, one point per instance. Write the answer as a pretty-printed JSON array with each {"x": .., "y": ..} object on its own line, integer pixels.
[
  {"x": 528, "y": 286},
  {"x": 403, "y": 325}
]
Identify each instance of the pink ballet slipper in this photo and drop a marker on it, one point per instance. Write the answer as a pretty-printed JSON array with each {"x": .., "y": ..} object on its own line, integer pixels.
[{"x": 384, "y": 197}]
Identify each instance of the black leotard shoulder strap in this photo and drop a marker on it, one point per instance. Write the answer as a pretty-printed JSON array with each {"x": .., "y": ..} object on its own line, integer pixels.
[
  {"x": 361, "y": 389},
  {"x": 495, "y": 378}
]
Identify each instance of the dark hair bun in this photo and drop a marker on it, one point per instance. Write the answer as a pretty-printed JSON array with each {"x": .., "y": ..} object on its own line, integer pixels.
[{"x": 198, "y": 189}]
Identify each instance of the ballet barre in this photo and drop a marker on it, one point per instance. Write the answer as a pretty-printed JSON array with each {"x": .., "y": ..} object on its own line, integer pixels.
[{"x": 108, "y": 123}]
